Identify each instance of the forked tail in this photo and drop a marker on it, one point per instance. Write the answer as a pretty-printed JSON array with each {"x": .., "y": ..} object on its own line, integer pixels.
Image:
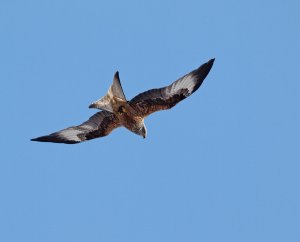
[{"x": 113, "y": 98}]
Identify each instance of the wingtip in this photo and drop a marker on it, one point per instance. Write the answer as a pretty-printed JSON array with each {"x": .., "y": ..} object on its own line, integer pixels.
[
  {"x": 209, "y": 64},
  {"x": 211, "y": 61},
  {"x": 52, "y": 139},
  {"x": 40, "y": 139},
  {"x": 202, "y": 72},
  {"x": 37, "y": 139}
]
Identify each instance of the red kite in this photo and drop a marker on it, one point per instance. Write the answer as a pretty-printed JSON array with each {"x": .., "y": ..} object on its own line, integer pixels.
[{"x": 117, "y": 111}]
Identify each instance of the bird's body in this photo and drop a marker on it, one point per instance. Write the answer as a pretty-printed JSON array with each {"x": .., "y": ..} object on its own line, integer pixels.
[
  {"x": 129, "y": 117},
  {"x": 117, "y": 111}
]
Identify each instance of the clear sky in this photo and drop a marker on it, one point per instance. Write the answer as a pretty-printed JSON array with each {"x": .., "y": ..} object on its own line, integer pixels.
[{"x": 222, "y": 166}]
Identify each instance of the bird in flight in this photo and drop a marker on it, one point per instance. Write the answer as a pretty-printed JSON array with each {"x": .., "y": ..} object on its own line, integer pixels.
[{"x": 117, "y": 111}]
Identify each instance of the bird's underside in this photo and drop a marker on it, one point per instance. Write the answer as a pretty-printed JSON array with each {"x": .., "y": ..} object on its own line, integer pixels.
[{"x": 117, "y": 111}]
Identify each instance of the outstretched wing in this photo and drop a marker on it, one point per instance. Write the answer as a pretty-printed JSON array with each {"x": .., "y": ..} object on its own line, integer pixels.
[
  {"x": 167, "y": 97},
  {"x": 99, "y": 125}
]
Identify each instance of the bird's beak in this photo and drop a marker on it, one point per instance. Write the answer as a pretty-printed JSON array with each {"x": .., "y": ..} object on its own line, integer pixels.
[{"x": 144, "y": 136}]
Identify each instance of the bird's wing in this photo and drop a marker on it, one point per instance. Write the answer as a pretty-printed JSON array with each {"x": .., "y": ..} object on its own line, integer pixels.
[
  {"x": 167, "y": 97},
  {"x": 99, "y": 125}
]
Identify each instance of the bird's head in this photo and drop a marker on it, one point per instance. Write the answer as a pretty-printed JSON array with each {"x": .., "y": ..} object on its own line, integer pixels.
[{"x": 142, "y": 131}]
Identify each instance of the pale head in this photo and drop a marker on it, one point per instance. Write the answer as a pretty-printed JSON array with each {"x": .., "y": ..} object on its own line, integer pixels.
[{"x": 141, "y": 130}]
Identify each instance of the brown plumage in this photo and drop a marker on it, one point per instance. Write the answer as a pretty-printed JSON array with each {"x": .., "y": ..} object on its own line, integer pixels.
[{"x": 130, "y": 114}]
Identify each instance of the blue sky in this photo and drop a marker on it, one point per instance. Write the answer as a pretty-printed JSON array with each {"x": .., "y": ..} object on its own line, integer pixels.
[{"x": 222, "y": 166}]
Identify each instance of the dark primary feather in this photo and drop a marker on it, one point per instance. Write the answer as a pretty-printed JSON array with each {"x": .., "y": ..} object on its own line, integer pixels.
[
  {"x": 99, "y": 125},
  {"x": 167, "y": 97}
]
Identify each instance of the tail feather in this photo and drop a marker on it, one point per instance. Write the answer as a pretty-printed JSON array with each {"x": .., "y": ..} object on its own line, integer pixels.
[
  {"x": 116, "y": 87},
  {"x": 115, "y": 92}
]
